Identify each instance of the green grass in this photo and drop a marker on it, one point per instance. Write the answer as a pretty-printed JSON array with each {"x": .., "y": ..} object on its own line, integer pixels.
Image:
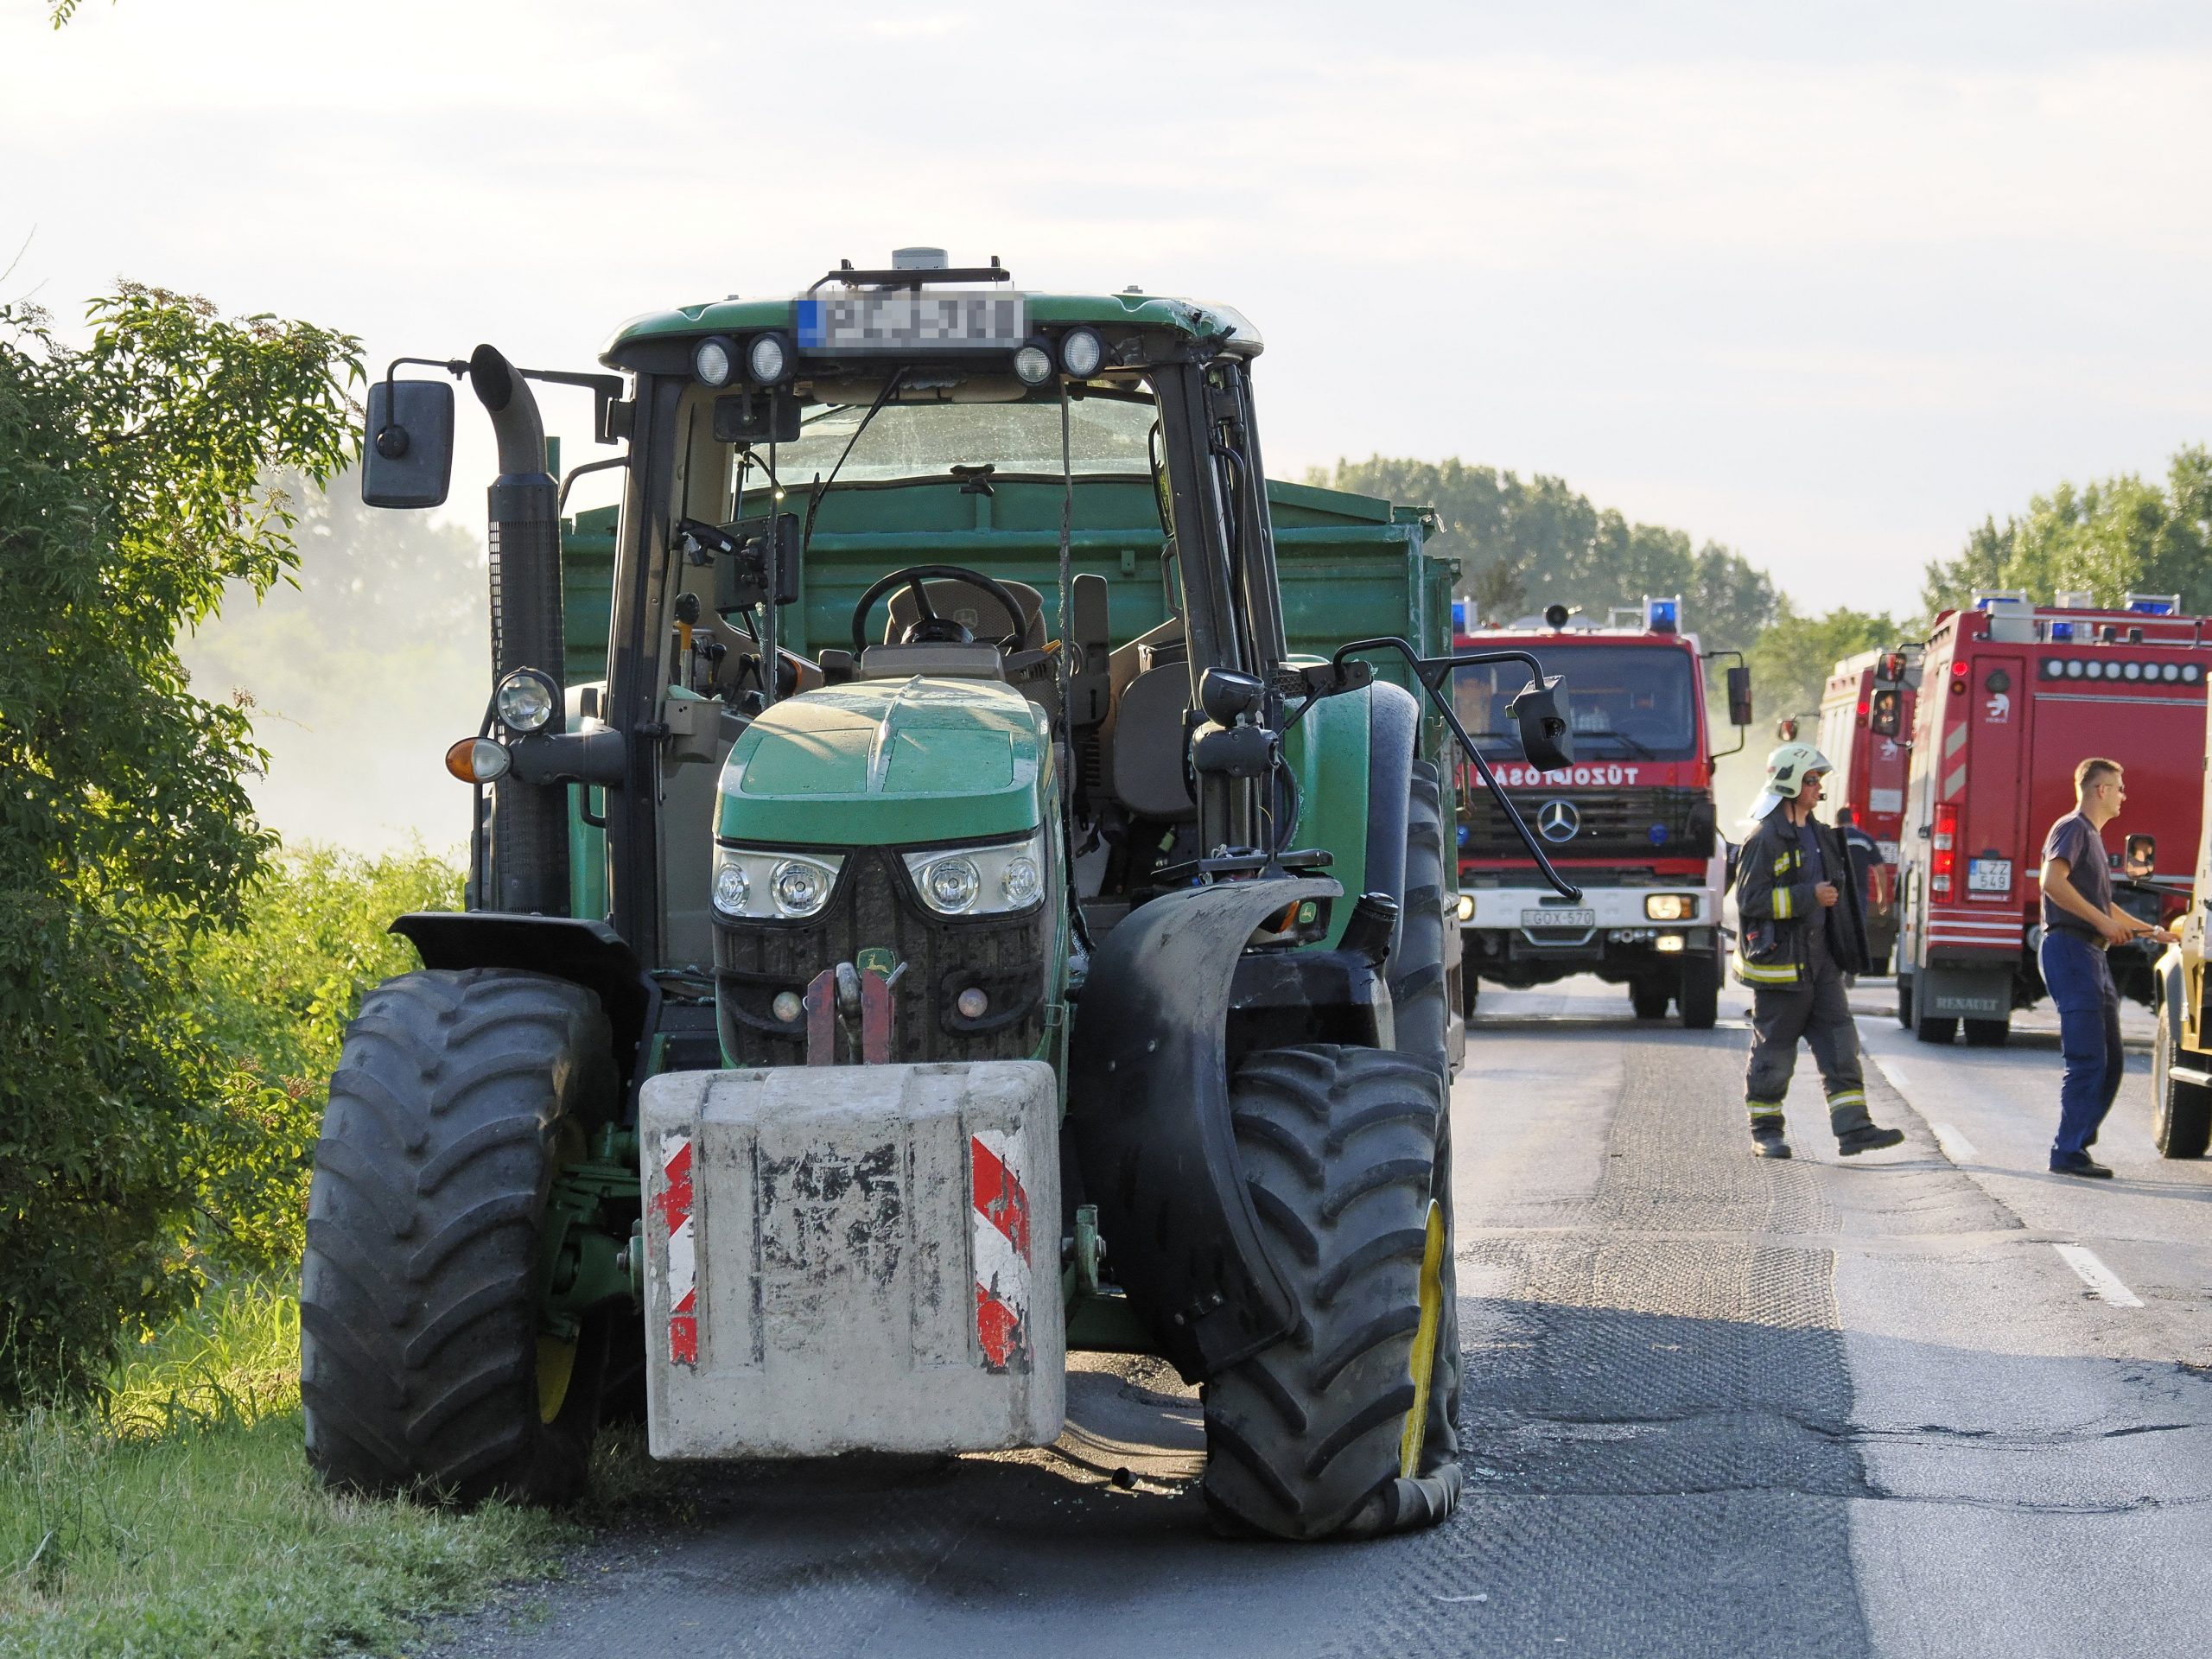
[{"x": 181, "y": 1518}]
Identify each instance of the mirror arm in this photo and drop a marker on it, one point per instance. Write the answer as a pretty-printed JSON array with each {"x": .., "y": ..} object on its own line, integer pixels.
[
  {"x": 1427, "y": 671},
  {"x": 576, "y": 472}
]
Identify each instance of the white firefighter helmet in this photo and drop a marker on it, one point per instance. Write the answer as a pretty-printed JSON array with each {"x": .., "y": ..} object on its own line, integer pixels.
[{"x": 1787, "y": 769}]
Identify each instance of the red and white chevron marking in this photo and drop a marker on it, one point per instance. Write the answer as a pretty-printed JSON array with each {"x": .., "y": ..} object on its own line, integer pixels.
[
  {"x": 999, "y": 1229},
  {"x": 679, "y": 1265}
]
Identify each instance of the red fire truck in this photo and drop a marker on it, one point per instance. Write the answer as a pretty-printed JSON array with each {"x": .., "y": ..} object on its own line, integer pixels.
[
  {"x": 1870, "y": 772},
  {"x": 1632, "y": 822},
  {"x": 2012, "y": 696}
]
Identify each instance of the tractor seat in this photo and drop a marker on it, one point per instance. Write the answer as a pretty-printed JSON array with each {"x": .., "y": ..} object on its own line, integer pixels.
[{"x": 967, "y": 603}]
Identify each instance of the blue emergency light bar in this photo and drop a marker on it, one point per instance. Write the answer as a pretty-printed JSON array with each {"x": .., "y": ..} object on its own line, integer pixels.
[
  {"x": 1459, "y": 608},
  {"x": 2151, "y": 604},
  {"x": 1662, "y": 615}
]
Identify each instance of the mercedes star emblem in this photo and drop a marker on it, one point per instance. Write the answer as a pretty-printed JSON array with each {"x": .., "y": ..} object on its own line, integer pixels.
[{"x": 1558, "y": 821}]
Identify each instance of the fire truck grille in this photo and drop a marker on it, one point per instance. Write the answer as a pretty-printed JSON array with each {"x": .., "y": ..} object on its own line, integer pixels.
[
  {"x": 874, "y": 908},
  {"x": 1595, "y": 823}
]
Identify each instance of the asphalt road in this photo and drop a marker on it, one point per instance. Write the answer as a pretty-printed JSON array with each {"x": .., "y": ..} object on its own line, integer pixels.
[{"x": 1930, "y": 1401}]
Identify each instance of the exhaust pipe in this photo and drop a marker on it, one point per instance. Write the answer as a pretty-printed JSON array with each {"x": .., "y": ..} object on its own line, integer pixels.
[{"x": 528, "y": 839}]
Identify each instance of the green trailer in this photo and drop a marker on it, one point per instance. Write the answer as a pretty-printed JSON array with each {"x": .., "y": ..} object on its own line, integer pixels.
[{"x": 950, "y": 886}]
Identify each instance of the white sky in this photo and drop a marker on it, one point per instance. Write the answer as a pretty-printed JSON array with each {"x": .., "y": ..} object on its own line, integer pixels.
[{"x": 1826, "y": 283}]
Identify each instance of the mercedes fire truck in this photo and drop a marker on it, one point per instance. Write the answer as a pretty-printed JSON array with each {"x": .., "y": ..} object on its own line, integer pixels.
[
  {"x": 2012, "y": 696},
  {"x": 1875, "y": 687},
  {"x": 1633, "y": 819}
]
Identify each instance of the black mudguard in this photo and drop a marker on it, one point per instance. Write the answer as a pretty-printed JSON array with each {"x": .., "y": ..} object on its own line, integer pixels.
[
  {"x": 1148, "y": 1115},
  {"x": 587, "y": 953}
]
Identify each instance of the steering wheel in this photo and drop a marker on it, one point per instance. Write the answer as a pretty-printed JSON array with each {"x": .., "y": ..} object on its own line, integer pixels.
[{"x": 930, "y": 628}]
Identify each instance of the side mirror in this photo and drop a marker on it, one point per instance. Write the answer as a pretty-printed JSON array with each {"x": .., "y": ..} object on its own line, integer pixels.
[
  {"x": 1885, "y": 714},
  {"x": 1890, "y": 671},
  {"x": 407, "y": 460},
  {"x": 1739, "y": 696},
  {"x": 1545, "y": 737},
  {"x": 2142, "y": 860}
]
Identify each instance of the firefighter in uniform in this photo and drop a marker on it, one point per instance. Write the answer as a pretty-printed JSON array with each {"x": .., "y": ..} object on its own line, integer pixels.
[{"x": 1801, "y": 929}]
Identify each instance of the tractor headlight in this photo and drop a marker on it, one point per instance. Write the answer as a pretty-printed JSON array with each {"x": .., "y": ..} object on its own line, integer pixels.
[
  {"x": 768, "y": 359},
  {"x": 1467, "y": 907},
  {"x": 1670, "y": 907},
  {"x": 995, "y": 879},
  {"x": 712, "y": 360},
  {"x": 1081, "y": 351},
  {"x": 525, "y": 700},
  {"x": 1032, "y": 364},
  {"x": 766, "y": 886}
]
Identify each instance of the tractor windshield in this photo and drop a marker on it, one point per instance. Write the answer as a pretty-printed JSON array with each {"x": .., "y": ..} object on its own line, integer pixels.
[
  {"x": 1631, "y": 701},
  {"x": 1106, "y": 435}
]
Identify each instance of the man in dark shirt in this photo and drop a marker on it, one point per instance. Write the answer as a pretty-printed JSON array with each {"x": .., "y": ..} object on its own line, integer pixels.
[
  {"x": 1866, "y": 852},
  {"x": 2078, "y": 922}
]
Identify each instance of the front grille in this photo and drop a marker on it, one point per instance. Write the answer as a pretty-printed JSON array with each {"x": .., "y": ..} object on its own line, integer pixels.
[
  {"x": 875, "y": 907},
  {"x": 1610, "y": 823}
]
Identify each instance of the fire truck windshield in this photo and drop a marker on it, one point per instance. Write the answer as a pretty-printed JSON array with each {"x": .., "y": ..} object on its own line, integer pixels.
[{"x": 1625, "y": 700}]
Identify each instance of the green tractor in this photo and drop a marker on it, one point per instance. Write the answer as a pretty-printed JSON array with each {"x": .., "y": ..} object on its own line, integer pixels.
[{"x": 845, "y": 1025}]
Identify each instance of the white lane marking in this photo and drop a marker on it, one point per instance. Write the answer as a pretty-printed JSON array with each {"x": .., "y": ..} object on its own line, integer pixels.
[
  {"x": 1894, "y": 1073},
  {"x": 1956, "y": 1146},
  {"x": 2104, "y": 1284}
]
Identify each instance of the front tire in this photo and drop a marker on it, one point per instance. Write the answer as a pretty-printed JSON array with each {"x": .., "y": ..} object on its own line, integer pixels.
[
  {"x": 1325, "y": 1433},
  {"x": 2181, "y": 1113},
  {"x": 423, "y": 1366},
  {"x": 1648, "y": 1000}
]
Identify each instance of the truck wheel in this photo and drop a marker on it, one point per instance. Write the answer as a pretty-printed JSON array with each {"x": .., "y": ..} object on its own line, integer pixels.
[
  {"x": 2181, "y": 1113},
  {"x": 1904, "y": 1001},
  {"x": 1931, "y": 1028},
  {"x": 1987, "y": 1033},
  {"x": 1471, "y": 990},
  {"x": 1648, "y": 1000},
  {"x": 423, "y": 1369},
  {"x": 1345, "y": 1427},
  {"x": 1700, "y": 997}
]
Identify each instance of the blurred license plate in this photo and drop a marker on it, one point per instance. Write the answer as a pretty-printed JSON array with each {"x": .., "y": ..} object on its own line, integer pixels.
[
  {"x": 1989, "y": 875},
  {"x": 898, "y": 322},
  {"x": 1559, "y": 918}
]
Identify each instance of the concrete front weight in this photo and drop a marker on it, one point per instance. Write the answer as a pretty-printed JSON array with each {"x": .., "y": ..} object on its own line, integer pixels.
[{"x": 851, "y": 1257}]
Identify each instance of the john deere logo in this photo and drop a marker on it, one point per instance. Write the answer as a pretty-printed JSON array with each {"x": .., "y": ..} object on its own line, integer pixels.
[{"x": 1558, "y": 821}]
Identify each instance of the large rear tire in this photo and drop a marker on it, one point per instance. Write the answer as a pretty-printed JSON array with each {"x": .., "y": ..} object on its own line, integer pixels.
[
  {"x": 423, "y": 1366},
  {"x": 1325, "y": 1433},
  {"x": 2181, "y": 1113},
  {"x": 1987, "y": 1033}
]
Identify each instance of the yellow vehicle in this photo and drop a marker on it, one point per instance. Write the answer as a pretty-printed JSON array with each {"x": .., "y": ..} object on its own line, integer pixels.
[{"x": 2181, "y": 1063}]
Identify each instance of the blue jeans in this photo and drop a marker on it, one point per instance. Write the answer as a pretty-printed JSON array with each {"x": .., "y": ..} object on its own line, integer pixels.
[{"x": 2088, "y": 1034}]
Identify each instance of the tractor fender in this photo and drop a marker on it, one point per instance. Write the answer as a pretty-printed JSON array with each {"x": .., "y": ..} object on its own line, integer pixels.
[
  {"x": 1148, "y": 1118},
  {"x": 1393, "y": 737},
  {"x": 587, "y": 953}
]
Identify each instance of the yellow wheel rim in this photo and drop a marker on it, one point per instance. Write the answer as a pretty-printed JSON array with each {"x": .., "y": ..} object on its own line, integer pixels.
[
  {"x": 1423, "y": 1360},
  {"x": 557, "y": 1362}
]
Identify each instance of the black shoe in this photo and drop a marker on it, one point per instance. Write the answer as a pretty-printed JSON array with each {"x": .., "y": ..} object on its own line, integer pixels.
[
  {"x": 1872, "y": 1138},
  {"x": 2079, "y": 1163},
  {"x": 1769, "y": 1143}
]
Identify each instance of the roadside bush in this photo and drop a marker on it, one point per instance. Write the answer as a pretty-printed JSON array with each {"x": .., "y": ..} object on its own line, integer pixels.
[
  {"x": 274, "y": 998},
  {"x": 130, "y": 494}
]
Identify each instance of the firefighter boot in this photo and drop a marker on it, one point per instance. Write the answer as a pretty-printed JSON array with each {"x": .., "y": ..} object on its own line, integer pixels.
[
  {"x": 1766, "y": 1133},
  {"x": 1855, "y": 1131}
]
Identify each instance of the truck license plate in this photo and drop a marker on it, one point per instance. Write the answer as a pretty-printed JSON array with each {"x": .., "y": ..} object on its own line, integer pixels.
[
  {"x": 1989, "y": 875},
  {"x": 892, "y": 322},
  {"x": 1559, "y": 918}
]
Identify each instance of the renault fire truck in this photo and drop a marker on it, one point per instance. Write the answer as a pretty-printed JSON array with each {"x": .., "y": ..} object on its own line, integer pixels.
[
  {"x": 1633, "y": 818},
  {"x": 1871, "y": 769},
  {"x": 2012, "y": 696}
]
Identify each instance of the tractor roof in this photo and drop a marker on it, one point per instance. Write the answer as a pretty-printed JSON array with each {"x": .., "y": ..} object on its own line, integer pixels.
[{"x": 1193, "y": 319}]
